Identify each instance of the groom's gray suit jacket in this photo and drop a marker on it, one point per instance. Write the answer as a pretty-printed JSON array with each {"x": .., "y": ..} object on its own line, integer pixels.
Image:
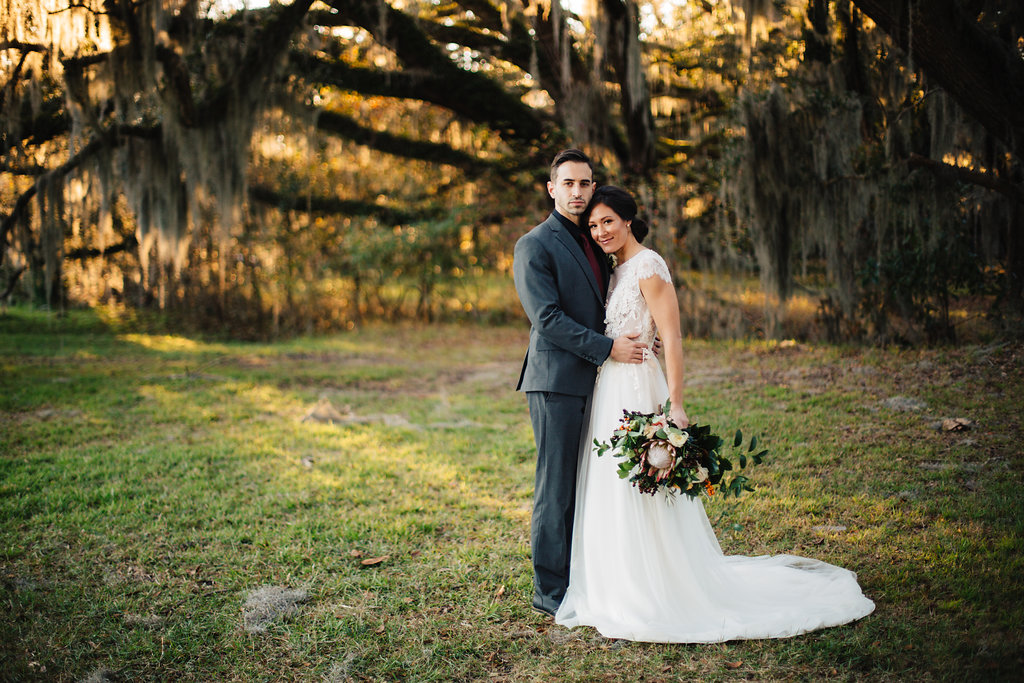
[{"x": 565, "y": 305}]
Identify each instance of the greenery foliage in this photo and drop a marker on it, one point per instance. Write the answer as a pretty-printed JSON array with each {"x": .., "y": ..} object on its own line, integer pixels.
[
  {"x": 265, "y": 168},
  {"x": 696, "y": 464},
  {"x": 919, "y": 284}
]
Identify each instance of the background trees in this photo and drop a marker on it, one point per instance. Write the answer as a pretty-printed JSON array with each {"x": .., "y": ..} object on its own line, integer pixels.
[{"x": 299, "y": 166}]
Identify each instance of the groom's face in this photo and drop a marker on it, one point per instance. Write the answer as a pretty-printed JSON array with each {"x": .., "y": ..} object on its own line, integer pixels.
[{"x": 572, "y": 188}]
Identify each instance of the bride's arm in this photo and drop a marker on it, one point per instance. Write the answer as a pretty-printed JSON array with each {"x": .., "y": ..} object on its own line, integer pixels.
[{"x": 661, "y": 300}]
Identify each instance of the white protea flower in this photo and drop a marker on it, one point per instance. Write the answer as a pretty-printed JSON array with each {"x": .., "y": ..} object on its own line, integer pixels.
[{"x": 660, "y": 455}]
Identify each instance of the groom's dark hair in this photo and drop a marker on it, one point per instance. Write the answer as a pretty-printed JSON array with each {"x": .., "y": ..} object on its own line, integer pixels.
[{"x": 571, "y": 154}]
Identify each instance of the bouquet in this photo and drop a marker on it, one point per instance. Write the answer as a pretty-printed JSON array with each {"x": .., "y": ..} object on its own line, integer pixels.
[{"x": 658, "y": 455}]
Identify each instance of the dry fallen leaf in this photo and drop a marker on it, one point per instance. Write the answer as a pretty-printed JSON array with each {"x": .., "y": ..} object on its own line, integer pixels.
[
  {"x": 734, "y": 665},
  {"x": 956, "y": 424},
  {"x": 370, "y": 561}
]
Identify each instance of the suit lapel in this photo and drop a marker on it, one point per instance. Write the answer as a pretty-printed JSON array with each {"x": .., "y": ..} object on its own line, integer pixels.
[{"x": 573, "y": 247}]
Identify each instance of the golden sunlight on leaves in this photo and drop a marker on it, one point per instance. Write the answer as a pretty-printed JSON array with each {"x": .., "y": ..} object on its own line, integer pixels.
[{"x": 264, "y": 169}]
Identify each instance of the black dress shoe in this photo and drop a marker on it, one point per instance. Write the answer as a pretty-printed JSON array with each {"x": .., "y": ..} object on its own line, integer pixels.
[{"x": 539, "y": 606}]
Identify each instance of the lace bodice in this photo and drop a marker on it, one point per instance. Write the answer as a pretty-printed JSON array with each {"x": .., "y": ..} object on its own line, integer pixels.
[{"x": 626, "y": 311}]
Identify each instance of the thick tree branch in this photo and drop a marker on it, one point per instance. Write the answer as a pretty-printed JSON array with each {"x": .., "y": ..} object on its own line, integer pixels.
[
  {"x": 967, "y": 175},
  {"x": 71, "y": 63},
  {"x": 26, "y": 50},
  {"x": 426, "y": 85},
  {"x": 27, "y": 170},
  {"x": 11, "y": 282},
  {"x": 982, "y": 73},
  {"x": 21, "y": 205},
  {"x": 463, "y": 91},
  {"x": 467, "y": 36},
  {"x": 83, "y": 253},
  {"x": 398, "y": 145},
  {"x": 24, "y": 47},
  {"x": 388, "y": 215}
]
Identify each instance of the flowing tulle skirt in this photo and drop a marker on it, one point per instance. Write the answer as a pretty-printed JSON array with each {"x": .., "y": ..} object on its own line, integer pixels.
[{"x": 650, "y": 568}]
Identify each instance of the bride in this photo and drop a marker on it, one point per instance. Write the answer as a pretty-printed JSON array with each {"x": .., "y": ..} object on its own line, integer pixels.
[{"x": 648, "y": 567}]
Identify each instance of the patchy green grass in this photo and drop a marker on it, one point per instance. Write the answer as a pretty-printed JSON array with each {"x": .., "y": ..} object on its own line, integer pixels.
[{"x": 149, "y": 482}]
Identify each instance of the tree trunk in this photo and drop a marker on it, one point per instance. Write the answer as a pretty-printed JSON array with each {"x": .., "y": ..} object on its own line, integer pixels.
[{"x": 626, "y": 55}]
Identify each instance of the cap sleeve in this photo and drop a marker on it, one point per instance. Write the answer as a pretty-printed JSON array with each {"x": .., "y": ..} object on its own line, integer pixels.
[{"x": 650, "y": 264}]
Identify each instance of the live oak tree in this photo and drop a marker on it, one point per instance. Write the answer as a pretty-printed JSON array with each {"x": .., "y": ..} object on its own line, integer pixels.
[
  {"x": 866, "y": 165},
  {"x": 153, "y": 109},
  {"x": 227, "y": 162}
]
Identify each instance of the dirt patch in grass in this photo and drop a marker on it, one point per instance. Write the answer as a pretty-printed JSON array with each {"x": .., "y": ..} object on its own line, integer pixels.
[{"x": 268, "y": 604}]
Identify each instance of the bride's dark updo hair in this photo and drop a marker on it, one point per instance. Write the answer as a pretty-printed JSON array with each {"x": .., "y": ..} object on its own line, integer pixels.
[{"x": 622, "y": 203}]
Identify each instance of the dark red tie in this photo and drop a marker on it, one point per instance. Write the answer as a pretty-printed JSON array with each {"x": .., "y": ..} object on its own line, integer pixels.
[{"x": 592, "y": 257}]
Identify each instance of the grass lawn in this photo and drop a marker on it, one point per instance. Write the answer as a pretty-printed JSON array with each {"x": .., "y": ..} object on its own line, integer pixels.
[{"x": 150, "y": 484}]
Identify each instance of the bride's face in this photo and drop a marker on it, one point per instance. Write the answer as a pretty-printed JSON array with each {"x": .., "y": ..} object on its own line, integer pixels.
[{"x": 608, "y": 229}]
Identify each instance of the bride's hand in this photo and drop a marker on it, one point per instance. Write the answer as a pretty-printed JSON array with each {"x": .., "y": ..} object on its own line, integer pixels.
[{"x": 678, "y": 416}]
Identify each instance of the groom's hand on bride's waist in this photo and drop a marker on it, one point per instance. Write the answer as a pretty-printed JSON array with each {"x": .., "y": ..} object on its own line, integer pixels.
[{"x": 626, "y": 349}]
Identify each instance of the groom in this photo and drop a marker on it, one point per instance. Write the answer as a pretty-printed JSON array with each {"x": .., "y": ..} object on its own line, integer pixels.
[{"x": 561, "y": 277}]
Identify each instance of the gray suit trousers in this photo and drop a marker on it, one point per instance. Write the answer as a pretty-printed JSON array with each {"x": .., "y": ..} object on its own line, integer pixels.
[{"x": 558, "y": 421}]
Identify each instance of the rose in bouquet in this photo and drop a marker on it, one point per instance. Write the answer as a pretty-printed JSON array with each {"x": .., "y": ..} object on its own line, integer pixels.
[{"x": 659, "y": 455}]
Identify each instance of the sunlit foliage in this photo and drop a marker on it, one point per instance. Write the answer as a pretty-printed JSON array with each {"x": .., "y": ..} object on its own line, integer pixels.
[{"x": 305, "y": 165}]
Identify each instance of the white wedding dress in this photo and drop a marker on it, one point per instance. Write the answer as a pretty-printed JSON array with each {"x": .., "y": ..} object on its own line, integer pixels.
[{"x": 649, "y": 568}]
